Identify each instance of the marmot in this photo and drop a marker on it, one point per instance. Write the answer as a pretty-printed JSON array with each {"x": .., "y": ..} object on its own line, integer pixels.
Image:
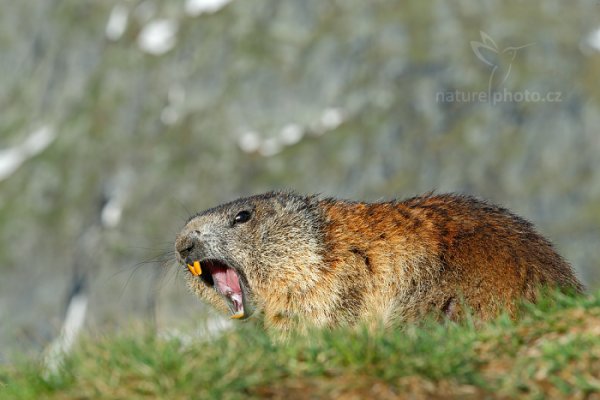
[{"x": 299, "y": 261}]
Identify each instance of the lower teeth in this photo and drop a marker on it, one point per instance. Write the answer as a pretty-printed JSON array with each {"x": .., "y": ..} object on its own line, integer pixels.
[{"x": 237, "y": 315}]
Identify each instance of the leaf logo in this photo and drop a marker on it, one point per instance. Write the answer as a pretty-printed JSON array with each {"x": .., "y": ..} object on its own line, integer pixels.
[{"x": 500, "y": 60}]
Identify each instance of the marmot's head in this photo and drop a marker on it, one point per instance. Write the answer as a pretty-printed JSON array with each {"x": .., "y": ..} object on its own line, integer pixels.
[{"x": 253, "y": 251}]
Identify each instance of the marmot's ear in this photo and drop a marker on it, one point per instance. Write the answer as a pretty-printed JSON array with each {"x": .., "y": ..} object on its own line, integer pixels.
[
  {"x": 290, "y": 202},
  {"x": 268, "y": 208},
  {"x": 281, "y": 202}
]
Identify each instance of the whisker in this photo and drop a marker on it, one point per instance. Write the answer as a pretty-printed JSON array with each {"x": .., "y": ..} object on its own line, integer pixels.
[
  {"x": 187, "y": 211},
  {"x": 167, "y": 245},
  {"x": 168, "y": 274},
  {"x": 158, "y": 261}
]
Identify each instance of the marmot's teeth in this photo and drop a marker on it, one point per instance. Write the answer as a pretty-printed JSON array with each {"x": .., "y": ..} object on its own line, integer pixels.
[
  {"x": 238, "y": 315},
  {"x": 191, "y": 268},
  {"x": 195, "y": 269}
]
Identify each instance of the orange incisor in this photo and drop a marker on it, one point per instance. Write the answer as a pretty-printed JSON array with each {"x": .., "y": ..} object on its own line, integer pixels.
[{"x": 195, "y": 269}]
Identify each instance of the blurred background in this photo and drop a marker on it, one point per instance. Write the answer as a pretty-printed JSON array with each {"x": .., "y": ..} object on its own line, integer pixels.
[{"x": 121, "y": 118}]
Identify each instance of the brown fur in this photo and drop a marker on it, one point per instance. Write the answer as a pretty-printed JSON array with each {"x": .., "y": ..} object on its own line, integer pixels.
[{"x": 324, "y": 262}]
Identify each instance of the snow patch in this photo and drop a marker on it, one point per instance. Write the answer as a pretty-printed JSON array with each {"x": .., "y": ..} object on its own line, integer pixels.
[
  {"x": 12, "y": 158},
  {"x": 117, "y": 22},
  {"x": 72, "y": 326},
  {"x": 197, "y": 7},
  {"x": 593, "y": 40},
  {"x": 158, "y": 37},
  {"x": 249, "y": 142},
  {"x": 291, "y": 134},
  {"x": 332, "y": 118}
]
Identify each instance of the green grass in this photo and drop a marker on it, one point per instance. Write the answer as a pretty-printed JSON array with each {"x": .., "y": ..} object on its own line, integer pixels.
[{"x": 553, "y": 350}]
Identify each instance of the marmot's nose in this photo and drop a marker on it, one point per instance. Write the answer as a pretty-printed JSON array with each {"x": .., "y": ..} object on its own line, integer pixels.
[{"x": 184, "y": 246}]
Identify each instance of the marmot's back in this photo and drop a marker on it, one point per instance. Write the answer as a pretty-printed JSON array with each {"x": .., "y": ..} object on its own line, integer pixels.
[
  {"x": 296, "y": 261},
  {"x": 448, "y": 250}
]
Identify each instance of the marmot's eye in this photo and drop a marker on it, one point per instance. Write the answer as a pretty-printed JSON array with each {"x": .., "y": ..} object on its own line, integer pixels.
[{"x": 241, "y": 217}]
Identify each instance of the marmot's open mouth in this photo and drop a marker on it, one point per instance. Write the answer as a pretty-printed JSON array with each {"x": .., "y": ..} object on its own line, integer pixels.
[{"x": 226, "y": 281}]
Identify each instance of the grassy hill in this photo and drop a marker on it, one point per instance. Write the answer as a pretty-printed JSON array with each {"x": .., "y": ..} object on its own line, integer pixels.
[{"x": 552, "y": 351}]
